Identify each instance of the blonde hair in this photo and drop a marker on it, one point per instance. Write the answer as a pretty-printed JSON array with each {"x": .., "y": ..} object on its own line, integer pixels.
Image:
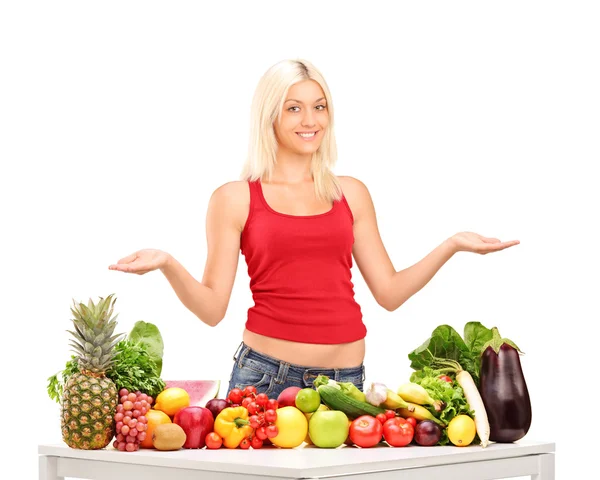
[{"x": 267, "y": 106}]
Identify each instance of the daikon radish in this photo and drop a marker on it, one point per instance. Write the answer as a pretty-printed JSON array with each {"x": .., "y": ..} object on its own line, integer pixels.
[{"x": 465, "y": 380}]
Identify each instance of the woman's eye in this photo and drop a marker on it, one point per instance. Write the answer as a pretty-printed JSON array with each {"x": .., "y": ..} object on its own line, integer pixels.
[{"x": 324, "y": 107}]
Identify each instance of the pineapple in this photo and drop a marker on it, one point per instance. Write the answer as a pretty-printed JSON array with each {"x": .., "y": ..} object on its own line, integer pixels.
[{"x": 90, "y": 398}]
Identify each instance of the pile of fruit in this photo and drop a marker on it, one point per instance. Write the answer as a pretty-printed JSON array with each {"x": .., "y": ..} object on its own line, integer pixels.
[
  {"x": 112, "y": 392},
  {"x": 325, "y": 416}
]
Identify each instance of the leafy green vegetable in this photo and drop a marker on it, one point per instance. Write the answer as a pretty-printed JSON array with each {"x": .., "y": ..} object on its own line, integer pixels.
[
  {"x": 55, "y": 385},
  {"x": 134, "y": 368},
  {"x": 476, "y": 337},
  {"x": 148, "y": 334},
  {"x": 450, "y": 393},
  {"x": 446, "y": 343}
]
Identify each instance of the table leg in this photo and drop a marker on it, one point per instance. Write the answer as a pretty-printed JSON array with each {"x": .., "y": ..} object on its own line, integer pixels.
[
  {"x": 545, "y": 467},
  {"x": 48, "y": 468}
]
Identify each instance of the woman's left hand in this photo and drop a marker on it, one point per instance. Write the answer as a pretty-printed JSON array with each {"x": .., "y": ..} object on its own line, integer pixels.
[{"x": 472, "y": 242}]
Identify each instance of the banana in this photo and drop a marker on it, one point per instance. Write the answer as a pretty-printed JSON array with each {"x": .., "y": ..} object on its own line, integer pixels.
[
  {"x": 419, "y": 413},
  {"x": 393, "y": 401},
  {"x": 415, "y": 393}
]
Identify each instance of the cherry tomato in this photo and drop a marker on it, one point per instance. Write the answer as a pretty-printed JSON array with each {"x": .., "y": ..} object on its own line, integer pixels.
[
  {"x": 390, "y": 414},
  {"x": 245, "y": 444},
  {"x": 250, "y": 391},
  {"x": 261, "y": 433},
  {"x": 213, "y": 441},
  {"x": 270, "y": 416},
  {"x": 261, "y": 399},
  {"x": 397, "y": 432},
  {"x": 256, "y": 442},
  {"x": 412, "y": 421},
  {"x": 381, "y": 417},
  {"x": 254, "y": 421},
  {"x": 236, "y": 395},
  {"x": 445, "y": 378},
  {"x": 272, "y": 431},
  {"x": 272, "y": 404},
  {"x": 246, "y": 401},
  {"x": 252, "y": 408},
  {"x": 366, "y": 431}
]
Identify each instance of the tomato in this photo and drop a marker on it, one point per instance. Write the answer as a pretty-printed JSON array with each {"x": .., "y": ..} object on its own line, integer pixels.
[
  {"x": 261, "y": 433},
  {"x": 213, "y": 441},
  {"x": 270, "y": 416},
  {"x": 261, "y": 399},
  {"x": 366, "y": 431},
  {"x": 445, "y": 378},
  {"x": 390, "y": 414},
  {"x": 236, "y": 395},
  {"x": 254, "y": 421},
  {"x": 272, "y": 404},
  {"x": 256, "y": 443},
  {"x": 397, "y": 432},
  {"x": 412, "y": 421},
  {"x": 381, "y": 417},
  {"x": 272, "y": 431},
  {"x": 247, "y": 401},
  {"x": 245, "y": 444},
  {"x": 250, "y": 391},
  {"x": 252, "y": 408}
]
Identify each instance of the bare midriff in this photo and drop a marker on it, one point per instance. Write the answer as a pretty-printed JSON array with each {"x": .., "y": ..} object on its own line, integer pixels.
[{"x": 343, "y": 355}]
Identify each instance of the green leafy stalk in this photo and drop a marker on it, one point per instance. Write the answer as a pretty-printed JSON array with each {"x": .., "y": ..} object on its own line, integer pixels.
[
  {"x": 56, "y": 385},
  {"x": 451, "y": 394}
]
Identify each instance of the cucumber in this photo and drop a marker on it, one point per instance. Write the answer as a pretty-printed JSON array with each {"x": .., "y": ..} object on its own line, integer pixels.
[{"x": 336, "y": 400}]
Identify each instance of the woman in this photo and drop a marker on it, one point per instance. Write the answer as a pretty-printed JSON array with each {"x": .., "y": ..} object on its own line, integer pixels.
[{"x": 298, "y": 226}]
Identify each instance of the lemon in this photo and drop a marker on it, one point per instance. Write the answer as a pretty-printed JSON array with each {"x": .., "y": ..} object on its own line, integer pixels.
[
  {"x": 461, "y": 430},
  {"x": 292, "y": 427},
  {"x": 171, "y": 400}
]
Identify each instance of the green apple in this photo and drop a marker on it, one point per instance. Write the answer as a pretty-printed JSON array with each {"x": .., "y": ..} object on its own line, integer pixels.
[{"x": 328, "y": 428}]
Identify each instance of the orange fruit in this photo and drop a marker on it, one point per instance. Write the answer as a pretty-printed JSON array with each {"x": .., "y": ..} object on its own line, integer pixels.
[
  {"x": 171, "y": 400},
  {"x": 155, "y": 418}
]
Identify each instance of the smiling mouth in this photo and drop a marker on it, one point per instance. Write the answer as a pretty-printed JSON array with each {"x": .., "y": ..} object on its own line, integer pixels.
[{"x": 306, "y": 136}]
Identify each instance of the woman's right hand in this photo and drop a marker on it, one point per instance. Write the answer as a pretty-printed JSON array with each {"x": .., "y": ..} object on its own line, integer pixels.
[{"x": 142, "y": 261}]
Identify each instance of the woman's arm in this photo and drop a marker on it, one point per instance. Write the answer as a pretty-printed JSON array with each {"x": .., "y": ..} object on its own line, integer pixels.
[
  {"x": 389, "y": 287},
  {"x": 208, "y": 300}
]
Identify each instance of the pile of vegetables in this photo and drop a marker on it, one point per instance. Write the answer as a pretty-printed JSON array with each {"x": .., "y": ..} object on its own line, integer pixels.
[
  {"x": 479, "y": 375},
  {"x": 137, "y": 365}
]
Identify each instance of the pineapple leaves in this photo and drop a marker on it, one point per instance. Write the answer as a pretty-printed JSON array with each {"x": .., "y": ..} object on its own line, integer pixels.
[{"x": 134, "y": 363}]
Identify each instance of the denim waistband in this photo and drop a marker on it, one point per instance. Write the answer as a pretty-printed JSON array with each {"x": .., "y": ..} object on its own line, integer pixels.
[{"x": 282, "y": 370}]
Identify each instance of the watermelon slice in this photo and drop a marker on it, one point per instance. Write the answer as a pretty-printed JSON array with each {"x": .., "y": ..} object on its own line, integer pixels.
[{"x": 200, "y": 391}]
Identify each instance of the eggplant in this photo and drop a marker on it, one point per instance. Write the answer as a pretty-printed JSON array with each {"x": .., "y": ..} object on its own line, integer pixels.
[{"x": 504, "y": 391}]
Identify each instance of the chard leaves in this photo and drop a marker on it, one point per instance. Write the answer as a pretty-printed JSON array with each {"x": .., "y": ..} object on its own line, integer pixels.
[{"x": 446, "y": 343}]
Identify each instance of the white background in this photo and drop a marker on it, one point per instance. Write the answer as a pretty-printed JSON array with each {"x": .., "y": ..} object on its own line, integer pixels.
[{"x": 119, "y": 119}]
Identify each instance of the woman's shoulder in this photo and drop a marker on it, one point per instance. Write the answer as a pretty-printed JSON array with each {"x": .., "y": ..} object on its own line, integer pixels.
[
  {"x": 233, "y": 191},
  {"x": 353, "y": 188},
  {"x": 232, "y": 200},
  {"x": 356, "y": 193}
]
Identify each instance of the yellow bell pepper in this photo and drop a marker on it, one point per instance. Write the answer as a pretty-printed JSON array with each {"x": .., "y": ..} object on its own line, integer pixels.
[{"x": 232, "y": 425}]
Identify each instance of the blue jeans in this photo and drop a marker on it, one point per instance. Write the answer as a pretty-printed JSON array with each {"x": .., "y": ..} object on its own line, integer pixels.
[{"x": 271, "y": 376}]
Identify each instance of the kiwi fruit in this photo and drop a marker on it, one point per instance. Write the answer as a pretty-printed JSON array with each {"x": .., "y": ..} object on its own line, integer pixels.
[{"x": 168, "y": 436}]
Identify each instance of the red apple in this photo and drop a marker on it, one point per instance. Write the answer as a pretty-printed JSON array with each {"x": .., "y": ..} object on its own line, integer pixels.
[
  {"x": 287, "y": 398},
  {"x": 197, "y": 423}
]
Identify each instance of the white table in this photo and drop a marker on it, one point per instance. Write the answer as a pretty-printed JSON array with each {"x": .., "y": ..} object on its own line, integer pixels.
[{"x": 308, "y": 462}]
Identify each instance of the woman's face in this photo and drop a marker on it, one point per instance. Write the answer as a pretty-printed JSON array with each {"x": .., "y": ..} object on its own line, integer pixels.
[{"x": 304, "y": 111}]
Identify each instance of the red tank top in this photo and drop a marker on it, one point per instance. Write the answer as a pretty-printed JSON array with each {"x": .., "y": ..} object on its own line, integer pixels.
[{"x": 299, "y": 268}]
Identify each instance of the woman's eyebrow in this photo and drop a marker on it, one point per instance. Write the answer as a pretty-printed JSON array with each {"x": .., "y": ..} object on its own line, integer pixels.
[{"x": 294, "y": 100}]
